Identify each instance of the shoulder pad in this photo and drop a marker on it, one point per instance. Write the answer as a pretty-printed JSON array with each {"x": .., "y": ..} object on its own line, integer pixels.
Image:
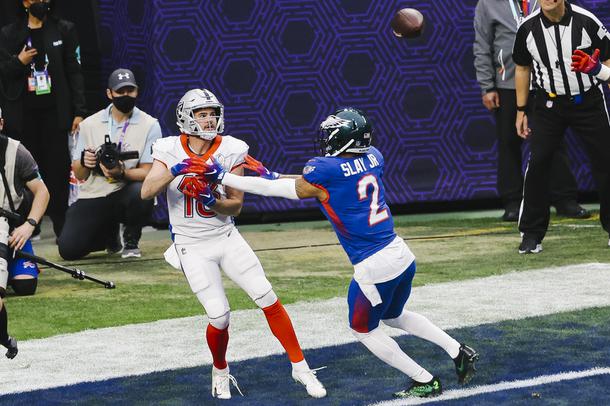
[{"x": 237, "y": 145}]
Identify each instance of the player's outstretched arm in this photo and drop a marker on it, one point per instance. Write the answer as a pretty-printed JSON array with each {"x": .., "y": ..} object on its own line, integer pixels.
[
  {"x": 273, "y": 188},
  {"x": 307, "y": 190},
  {"x": 232, "y": 204},
  {"x": 156, "y": 181},
  {"x": 282, "y": 187},
  {"x": 256, "y": 166},
  {"x": 288, "y": 188}
]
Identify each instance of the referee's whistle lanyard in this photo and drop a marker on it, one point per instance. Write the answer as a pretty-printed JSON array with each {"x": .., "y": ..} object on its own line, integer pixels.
[{"x": 111, "y": 127}]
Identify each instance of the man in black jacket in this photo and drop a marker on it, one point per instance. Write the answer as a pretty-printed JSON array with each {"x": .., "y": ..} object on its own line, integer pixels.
[{"x": 42, "y": 94}]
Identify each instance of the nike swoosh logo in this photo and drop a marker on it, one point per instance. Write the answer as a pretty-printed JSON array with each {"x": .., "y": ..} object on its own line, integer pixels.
[{"x": 211, "y": 172}]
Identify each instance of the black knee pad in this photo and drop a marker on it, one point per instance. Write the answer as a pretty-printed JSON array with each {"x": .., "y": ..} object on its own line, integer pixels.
[
  {"x": 24, "y": 287},
  {"x": 2, "y": 293}
]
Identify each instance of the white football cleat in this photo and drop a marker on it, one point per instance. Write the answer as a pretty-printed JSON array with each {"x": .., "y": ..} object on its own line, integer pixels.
[
  {"x": 308, "y": 379},
  {"x": 221, "y": 383}
]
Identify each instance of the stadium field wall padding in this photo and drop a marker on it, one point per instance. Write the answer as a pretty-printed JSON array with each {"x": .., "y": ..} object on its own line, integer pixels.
[{"x": 280, "y": 66}]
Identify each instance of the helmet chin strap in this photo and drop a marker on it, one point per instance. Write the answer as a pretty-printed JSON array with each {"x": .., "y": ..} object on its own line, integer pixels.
[{"x": 346, "y": 146}]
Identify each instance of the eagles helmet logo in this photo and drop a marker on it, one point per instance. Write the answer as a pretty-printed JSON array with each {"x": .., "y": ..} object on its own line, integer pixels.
[{"x": 334, "y": 122}]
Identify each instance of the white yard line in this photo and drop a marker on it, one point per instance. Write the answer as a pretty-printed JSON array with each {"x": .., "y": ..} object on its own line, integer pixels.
[
  {"x": 95, "y": 355},
  {"x": 500, "y": 386}
]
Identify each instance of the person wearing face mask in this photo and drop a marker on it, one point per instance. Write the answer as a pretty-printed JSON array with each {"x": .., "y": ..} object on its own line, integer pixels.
[
  {"x": 42, "y": 94},
  {"x": 111, "y": 195}
]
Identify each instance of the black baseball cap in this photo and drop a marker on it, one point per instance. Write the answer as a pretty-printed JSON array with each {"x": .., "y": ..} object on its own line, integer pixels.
[{"x": 121, "y": 78}]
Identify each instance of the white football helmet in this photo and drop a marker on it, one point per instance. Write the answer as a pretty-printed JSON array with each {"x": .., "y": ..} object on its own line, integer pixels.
[{"x": 193, "y": 100}]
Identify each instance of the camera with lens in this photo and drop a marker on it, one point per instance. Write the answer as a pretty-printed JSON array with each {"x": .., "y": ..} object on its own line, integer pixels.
[{"x": 109, "y": 154}]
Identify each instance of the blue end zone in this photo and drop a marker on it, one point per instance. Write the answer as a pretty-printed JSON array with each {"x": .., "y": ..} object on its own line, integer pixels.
[{"x": 509, "y": 351}]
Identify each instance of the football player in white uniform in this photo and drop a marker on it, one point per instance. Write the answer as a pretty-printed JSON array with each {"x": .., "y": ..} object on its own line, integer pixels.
[{"x": 205, "y": 237}]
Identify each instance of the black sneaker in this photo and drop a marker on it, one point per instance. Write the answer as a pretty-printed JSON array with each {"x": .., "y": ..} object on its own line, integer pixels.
[
  {"x": 510, "y": 215},
  {"x": 422, "y": 389},
  {"x": 131, "y": 237},
  {"x": 464, "y": 363},
  {"x": 511, "y": 211},
  {"x": 131, "y": 250},
  {"x": 572, "y": 210},
  {"x": 529, "y": 245},
  {"x": 11, "y": 346}
]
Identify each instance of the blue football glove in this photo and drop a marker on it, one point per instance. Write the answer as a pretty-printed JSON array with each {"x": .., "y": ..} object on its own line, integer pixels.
[
  {"x": 214, "y": 172},
  {"x": 188, "y": 165},
  {"x": 205, "y": 196},
  {"x": 258, "y": 167}
]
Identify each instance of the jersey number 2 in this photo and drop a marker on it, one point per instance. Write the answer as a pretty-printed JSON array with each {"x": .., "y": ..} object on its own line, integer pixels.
[{"x": 375, "y": 215}]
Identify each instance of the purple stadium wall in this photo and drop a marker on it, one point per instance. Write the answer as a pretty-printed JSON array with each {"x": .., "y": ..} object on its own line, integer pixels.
[{"x": 280, "y": 66}]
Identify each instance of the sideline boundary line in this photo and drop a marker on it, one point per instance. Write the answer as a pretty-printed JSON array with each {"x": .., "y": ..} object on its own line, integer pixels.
[{"x": 501, "y": 386}]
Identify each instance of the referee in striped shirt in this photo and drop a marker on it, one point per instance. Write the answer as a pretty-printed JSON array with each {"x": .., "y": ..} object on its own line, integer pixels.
[{"x": 543, "y": 49}]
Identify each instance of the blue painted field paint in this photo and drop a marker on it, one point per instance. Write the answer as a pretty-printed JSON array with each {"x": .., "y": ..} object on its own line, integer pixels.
[{"x": 509, "y": 351}]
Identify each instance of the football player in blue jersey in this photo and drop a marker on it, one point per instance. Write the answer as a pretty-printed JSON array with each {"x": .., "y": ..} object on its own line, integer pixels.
[{"x": 347, "y": 182}]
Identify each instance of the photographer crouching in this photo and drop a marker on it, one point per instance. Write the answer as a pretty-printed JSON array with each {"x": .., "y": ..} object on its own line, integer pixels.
[
  {"x": 112, "y": 157},
  {"x": 19, "y": 174}
]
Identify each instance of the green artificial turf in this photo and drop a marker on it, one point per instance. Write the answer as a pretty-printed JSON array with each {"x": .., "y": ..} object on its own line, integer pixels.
[{"x": 303, "y": 261}]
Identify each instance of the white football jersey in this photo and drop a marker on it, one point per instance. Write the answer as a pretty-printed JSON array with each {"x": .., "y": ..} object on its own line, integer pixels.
[{"x": 189, "y": 219}]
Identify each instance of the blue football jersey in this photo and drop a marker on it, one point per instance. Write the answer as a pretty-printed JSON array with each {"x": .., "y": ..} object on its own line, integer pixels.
[{"x": 356, "y": 204}]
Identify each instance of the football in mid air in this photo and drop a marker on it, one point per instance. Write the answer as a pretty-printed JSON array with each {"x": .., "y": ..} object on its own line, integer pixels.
[{"x": 407, "y": 23}]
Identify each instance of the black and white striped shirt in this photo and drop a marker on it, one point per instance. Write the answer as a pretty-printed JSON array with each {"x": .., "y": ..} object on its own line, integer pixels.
[{"x": 548, "y": 48}]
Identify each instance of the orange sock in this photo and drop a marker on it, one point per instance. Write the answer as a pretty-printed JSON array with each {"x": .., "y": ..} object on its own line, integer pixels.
[{"x": 282, "y": 329}]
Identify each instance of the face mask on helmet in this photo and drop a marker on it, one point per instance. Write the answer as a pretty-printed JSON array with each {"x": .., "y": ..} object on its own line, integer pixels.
[
  {"x": 195, "y": 100},
  {"x": 39, "y": 10},
  {"x": 347, "y": 130},
  {"x": 207, "y": 122}
]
